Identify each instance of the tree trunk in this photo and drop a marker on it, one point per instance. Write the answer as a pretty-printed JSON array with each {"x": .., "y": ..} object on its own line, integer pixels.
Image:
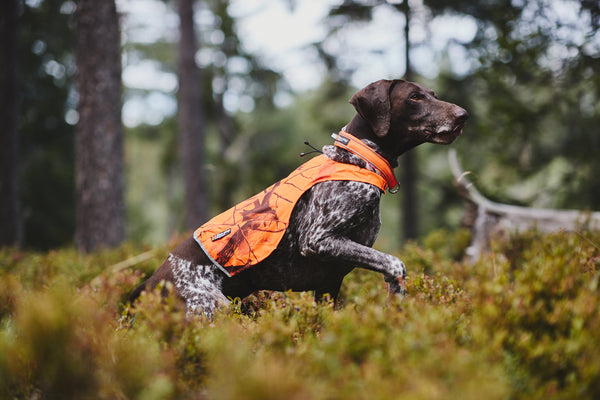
[
  {"x": 408, "y": 162},
  {"x": 191, "y": 132},
  {"x": 100, "y": 182},
  {"x": 10, "y": 222},
  {"x": 226, "y": 175}
]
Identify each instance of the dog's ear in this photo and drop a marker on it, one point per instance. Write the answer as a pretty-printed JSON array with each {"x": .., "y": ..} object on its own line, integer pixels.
[{"x": 373, "y": 104}]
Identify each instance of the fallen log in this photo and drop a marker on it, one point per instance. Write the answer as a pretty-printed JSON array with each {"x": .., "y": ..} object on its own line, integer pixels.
[{"x": 490, "y": 220}]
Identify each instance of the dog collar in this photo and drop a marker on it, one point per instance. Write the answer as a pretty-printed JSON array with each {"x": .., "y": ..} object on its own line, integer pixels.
[{"x": 348, "y": 142}]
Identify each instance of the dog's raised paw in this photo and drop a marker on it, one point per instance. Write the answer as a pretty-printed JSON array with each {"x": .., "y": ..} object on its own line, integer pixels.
[{"x": 397, "y": 286}]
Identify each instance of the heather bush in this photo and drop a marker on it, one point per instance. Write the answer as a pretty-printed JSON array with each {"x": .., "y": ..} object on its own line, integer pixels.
[
  {"x": 522, "y": 322},
  {"x": 541, "y": 312}
]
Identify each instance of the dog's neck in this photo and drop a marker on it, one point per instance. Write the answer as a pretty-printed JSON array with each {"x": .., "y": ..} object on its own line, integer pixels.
[
  {"x": 344, "y": 156},
  {"x": 364, "y": 153},
  {"x": 360, "y": 148},
  {"x": 361, "y": 129}
]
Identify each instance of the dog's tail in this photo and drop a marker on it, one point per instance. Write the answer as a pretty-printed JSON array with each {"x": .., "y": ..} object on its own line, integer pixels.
[
  {"x": 136, "y": 293},
  {"x": 128, "y": 318}
]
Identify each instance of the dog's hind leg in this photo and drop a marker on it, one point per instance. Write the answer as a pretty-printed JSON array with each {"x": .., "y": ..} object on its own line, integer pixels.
[
  {"x": 329, "y": 292},
  {"x": 198, "y": 285}
]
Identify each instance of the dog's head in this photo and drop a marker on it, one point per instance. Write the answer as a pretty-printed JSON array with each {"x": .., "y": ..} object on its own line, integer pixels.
[{"x": 405, "y": 114}]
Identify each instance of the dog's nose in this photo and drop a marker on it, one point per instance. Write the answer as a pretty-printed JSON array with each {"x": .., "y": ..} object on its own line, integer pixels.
[{"x": 461, "y": 114}]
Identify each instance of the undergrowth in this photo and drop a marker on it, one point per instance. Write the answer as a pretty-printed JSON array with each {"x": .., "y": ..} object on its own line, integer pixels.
[{"x": 521, "y": 323}]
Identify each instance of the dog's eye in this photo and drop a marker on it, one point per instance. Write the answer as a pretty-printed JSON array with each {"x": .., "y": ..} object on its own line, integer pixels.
[{"x": 415, "y": 96}]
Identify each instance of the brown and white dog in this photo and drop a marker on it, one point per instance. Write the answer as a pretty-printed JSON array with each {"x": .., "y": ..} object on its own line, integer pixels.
[{"x": 334, "y": 223}]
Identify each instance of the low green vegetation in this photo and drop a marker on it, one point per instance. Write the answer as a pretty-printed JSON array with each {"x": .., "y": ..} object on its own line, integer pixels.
[{"x": 522, "y": 323}]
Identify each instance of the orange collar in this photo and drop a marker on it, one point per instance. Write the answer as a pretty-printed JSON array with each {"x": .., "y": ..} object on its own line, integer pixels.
[{"x": 348, "y": 142}]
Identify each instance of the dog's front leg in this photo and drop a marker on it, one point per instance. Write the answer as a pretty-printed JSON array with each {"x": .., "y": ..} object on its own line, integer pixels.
[
  {"x": 344, "y": 250},
  {"x": 340, "y": 225}
]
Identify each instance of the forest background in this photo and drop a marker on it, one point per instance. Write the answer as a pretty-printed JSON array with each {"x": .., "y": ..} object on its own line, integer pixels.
[{"x": 528, "y": 73}]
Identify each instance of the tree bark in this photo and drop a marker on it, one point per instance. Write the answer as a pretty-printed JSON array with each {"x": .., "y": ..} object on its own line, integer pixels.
[
  {"x": 10, "y": 222},
  {"x": 100, "y": 182},
  {"x": 408, "y": 162},
  {"x": 191, "y": 131},
  {"x": 227, "y": 178}
]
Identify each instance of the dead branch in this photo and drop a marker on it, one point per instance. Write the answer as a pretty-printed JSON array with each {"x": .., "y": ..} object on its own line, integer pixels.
[{"x": 499, "y": 220}]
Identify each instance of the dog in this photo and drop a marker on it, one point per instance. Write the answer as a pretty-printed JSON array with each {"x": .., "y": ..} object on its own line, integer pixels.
[{"x": 332, "y": 223}]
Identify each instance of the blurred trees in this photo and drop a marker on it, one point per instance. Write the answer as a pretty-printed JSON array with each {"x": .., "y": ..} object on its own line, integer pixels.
[
  {"x": 528, "y": 77},
  {"x": 46, "y": 121},
  {"x": 238, "y": 82},
  {"x": 100, "y": 181},
  {"x": 191, "y": 121},
  {"x": 531, "y": 89},
  {"x": 232, "y": 81},
  {"x": 534, "y": 93},
  {"x": 10, "y": 224}
]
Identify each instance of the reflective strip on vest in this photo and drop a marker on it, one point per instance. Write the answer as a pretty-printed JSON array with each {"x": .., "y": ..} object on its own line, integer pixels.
[{"x": 248, "y": 233}]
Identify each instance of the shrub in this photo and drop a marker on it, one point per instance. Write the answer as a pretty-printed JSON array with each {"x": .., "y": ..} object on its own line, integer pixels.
[
  {"x": 541, "y": 312},
  {"x": 521, "y": 323}
]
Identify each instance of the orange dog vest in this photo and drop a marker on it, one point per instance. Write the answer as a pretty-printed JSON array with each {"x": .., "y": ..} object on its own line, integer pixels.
[{"x": 248, "y": 233}]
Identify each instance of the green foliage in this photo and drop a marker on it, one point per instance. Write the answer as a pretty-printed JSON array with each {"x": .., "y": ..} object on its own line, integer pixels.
[
  {"x": 533, "y": 126},
  {"x": 449, "y": 245},
  {"x": 521, "y": 323}
]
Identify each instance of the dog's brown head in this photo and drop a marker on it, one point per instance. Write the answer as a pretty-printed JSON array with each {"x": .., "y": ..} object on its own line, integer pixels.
[{"x": 401, "y": 115}]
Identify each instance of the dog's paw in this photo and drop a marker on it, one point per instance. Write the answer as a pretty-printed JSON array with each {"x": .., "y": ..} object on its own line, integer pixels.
[
  {"x": 395, "y": 278},
  {"x": 397, "y": 286}
]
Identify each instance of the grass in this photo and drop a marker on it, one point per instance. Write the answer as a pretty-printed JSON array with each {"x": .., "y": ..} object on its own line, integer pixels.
[{"x": 522, "y": 323}]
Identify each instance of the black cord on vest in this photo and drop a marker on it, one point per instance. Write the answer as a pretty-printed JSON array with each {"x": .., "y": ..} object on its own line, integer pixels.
[{"x": 314, "y": 149}]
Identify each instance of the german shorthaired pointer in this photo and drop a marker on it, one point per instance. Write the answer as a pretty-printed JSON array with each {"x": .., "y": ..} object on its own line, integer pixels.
[{"x": 334, "y": 223}]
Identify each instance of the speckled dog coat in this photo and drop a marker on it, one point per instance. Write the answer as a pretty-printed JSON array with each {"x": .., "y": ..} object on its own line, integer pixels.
[{"x": 248, "y": 233}]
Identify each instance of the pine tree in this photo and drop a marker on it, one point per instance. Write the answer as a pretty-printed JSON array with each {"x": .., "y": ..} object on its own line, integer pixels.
[
  {"x": 191, "y": 130},
  {"x": 100, "y": 210}
]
